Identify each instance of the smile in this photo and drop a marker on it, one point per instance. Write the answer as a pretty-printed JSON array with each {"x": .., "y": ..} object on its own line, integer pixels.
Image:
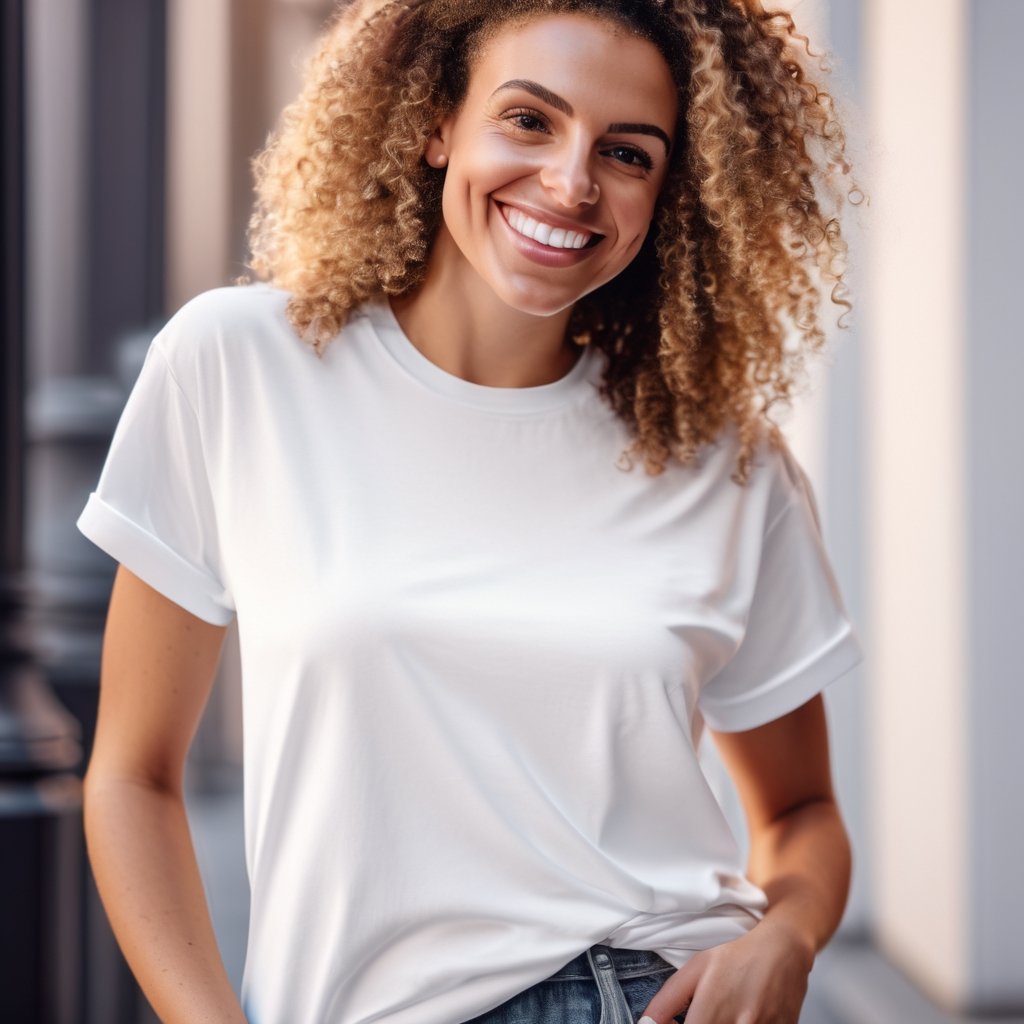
[{"x": 546, "y": 234}]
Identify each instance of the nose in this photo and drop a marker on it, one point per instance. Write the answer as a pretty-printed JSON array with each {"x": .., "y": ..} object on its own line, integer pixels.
[{"x": 569, "y": 176}]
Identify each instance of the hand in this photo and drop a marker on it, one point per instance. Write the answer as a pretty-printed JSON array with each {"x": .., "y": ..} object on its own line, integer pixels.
[{"x": 760, "y": 978}]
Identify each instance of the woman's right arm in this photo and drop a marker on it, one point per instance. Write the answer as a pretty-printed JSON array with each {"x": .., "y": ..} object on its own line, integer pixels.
[{"x": 158, "y": 667}]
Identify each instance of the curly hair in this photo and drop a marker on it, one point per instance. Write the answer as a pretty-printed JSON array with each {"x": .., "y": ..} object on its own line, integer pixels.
[{"x": 709, "y": 325}]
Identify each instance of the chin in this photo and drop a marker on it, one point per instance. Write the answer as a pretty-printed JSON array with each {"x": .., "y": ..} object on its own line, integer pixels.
[
  {"x": 541, "y": 310},
  {"x": 533, "y": 302}
]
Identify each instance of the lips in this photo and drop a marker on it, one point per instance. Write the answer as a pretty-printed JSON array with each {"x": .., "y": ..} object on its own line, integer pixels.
[{"x": 551, "y": 235}]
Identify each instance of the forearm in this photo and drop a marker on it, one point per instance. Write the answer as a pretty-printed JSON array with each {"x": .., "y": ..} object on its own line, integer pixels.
[
  {"x": 801, "y": 859},
  {"x": 802, "y": 862},
  {"x": 145, "y": 867}
]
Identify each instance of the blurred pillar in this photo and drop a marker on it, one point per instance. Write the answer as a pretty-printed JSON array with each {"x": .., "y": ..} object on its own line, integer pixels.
[
  {"x": 127, "y": 157},
  {"x": 199, "y": 123},
  {"x": 96, "y": 263},
  {"x": 232, "y": 67},
  {"x": 40, "y": 798},
  {"x": 946, "y": 548}
]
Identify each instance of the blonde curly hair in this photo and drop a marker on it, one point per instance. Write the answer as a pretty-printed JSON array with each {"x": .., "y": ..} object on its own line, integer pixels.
[{"x": 695, "y": 329}]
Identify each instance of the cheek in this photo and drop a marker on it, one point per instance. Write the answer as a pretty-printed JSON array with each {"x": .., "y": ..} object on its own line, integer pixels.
[
  {"x": 482, "y": 156},
  {"x": 456, "y": 200},
  {"x": 634, "y": 217},
  {"x": 486, "y": 161}
]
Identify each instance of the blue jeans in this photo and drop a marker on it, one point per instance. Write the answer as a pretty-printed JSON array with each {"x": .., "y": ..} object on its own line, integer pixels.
[{"x": 604, "y": 985}]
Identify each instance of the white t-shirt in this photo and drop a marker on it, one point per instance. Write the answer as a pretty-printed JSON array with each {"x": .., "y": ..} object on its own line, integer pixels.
[{"x": 476, "y": 654}]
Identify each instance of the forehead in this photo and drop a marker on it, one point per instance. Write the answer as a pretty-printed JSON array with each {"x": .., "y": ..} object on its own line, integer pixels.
[{"x": 581, "y": 57}]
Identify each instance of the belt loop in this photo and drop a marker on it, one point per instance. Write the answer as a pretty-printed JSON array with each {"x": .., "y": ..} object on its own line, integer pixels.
[{"x": 614, "y": 1008}]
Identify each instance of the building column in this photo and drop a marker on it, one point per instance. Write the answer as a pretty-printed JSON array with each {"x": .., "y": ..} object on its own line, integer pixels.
[
  {"x": 40, "y": 796},
  {"x": 94, "y": 197},
  {"x": 946, "y": 551}
]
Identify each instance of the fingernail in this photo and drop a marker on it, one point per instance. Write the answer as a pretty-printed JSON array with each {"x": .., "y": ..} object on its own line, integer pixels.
[{"x": 646, "y": 1020}]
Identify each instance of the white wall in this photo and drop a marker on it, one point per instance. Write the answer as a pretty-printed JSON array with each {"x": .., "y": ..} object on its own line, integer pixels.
[
  {"x": 994, "y": 347},
  {"x": 944, "y": 446},
  {"x": 915, "y": 449}
]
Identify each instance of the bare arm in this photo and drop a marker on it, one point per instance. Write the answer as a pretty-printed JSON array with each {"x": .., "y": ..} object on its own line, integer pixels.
[
  {"x": 158, "y": 668},
  {"x": 799, "y": 855},
  {"x": 799, "y": 850}
]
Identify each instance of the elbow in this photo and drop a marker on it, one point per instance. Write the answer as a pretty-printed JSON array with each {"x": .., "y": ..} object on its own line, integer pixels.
[{"x": 112, "y": 794}]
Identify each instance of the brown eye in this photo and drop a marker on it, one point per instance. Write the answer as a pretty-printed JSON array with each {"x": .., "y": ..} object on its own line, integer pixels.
[
  {"x": 631, "y": 156},
  {"x": 527, "y": 120}
]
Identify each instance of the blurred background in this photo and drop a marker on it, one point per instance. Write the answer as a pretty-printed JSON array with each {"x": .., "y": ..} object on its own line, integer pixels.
[{"x": 128, "y": 127}]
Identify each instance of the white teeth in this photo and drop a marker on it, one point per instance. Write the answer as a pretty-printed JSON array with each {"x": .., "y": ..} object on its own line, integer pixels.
[{"x": 556, "y": 238}]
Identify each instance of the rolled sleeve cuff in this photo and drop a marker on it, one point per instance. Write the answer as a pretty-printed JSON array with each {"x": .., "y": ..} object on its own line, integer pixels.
[
  {"x": 777, "y": 697},
  {"x": 155, "y": 563}
]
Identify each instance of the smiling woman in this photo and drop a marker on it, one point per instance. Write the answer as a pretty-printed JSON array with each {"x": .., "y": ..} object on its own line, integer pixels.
[
  {"x": 531, "y": 243},
  {"x": 530, "y": 163},
  {"x": 746, "y": 237}
]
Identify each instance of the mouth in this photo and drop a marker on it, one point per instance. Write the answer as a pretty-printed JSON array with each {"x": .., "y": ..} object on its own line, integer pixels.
[{"x": 548, "y": 234}]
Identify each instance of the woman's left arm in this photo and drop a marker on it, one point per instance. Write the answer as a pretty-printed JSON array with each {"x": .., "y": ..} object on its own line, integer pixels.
[{"x": 799, "y": 856}]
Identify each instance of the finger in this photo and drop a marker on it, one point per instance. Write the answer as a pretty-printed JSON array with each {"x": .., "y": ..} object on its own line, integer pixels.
[{"x": 674, "y": 996}]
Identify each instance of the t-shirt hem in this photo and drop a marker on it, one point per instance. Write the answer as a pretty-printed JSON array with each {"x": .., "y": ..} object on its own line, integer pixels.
[
  {"x": 780, "y": 696},
  {"x": 153, "y": 562}
]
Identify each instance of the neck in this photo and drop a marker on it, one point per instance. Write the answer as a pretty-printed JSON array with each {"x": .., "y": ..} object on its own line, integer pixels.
[{"x": 460, "y": 325}]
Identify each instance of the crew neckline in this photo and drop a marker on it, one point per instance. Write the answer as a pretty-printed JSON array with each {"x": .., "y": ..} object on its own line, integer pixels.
[{"x": 539, "y": 398}]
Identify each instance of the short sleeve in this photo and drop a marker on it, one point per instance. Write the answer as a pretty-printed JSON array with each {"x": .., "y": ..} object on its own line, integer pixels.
[
  {"x": 153, "y": 509},
  {"x": 798, "y": 637}
]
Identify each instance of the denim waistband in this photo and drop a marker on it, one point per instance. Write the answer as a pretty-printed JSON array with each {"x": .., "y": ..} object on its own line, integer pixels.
[{"x": 628, "y": 963}]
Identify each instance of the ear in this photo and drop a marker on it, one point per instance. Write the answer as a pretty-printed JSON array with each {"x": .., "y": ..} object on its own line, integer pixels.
[{"x": 436, "y": 153}]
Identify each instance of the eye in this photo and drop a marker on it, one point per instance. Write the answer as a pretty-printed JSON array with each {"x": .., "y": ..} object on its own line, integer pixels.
[
  {"x": 526, "y": 120},
  {"x": 631, "y": 156}
]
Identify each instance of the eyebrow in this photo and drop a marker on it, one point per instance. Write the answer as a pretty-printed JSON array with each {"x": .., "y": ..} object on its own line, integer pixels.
[
  {"x": 643, "y": 129},
  {"x": 552, "y": 99}
]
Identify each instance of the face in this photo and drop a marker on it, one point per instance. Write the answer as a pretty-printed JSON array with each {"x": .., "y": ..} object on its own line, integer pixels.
[{"x": 554, "y": 160}]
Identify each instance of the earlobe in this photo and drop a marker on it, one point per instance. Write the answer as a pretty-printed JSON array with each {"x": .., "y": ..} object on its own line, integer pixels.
[{"x": 436, "y": 153}]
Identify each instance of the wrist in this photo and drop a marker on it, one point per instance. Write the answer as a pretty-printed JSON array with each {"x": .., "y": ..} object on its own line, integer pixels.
[{"x": 803, "y": 944}]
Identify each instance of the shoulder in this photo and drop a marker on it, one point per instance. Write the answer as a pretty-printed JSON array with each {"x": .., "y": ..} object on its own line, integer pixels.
[
  {"x": 223, "y": 314},
  {"x": 221, "y": 332},
  {"x": 777, "y": 468},
  {"x": 775, "y": 479}
]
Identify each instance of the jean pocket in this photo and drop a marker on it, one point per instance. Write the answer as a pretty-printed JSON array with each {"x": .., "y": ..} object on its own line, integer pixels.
[{"x": 639, "y": 991}]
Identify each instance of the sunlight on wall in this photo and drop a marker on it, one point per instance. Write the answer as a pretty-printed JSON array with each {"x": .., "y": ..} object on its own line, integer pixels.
[
  {"x": 915, "y": 363},
  {"x": 199, "y": 136}
]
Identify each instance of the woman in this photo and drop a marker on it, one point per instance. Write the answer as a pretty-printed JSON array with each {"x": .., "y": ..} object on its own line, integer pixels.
[{"x": 532, "y": 244}]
